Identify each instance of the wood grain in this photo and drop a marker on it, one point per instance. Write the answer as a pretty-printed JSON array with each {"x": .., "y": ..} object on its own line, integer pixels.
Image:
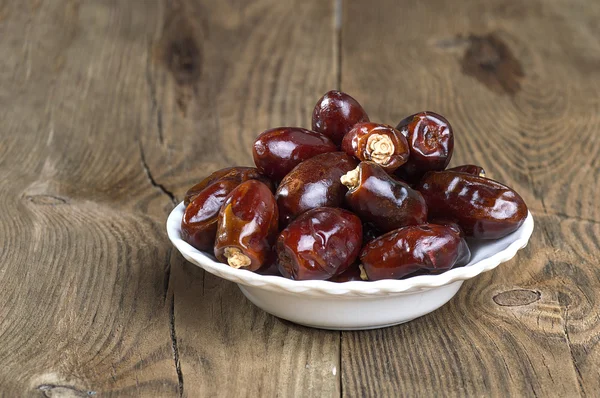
[
  {"x": 81, "y": 269},
  {"x": 223, "y": 73},
  {"x": 110, "y": 111},
  {"x": 522, "y": 99}
]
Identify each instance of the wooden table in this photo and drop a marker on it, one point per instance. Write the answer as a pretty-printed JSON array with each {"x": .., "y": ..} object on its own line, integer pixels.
[{"x": 109, "y": 110}]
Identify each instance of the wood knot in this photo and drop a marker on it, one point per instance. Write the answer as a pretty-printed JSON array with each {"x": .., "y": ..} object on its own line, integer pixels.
[
  {"x": 184, "y": 59},
  {"x": 54, "y": 391},
  {"x": 180, "y": 50},
  {"x": 46, "y": 200},
  {"x": 517, "y": 297},
  {"x": 489, "y": 60}
]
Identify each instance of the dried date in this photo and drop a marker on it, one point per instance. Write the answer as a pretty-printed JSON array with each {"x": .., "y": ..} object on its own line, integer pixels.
[
  {"x": 319, "y": 244},
  {"x": 378, "y": 143},
  {"x": 335, "y": 114},
  {"x": 417, "y": 248},
  {"x": 313, "y": 183},
  {"x": 379, "y": 199},
  {"x": 482, "y": 207},
  {"x": 277, "y": 151},
  {"x": 247, "y": 226}
]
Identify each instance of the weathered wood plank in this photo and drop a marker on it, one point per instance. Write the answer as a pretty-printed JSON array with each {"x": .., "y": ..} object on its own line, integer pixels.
[
  {"x": 519, "y": 82},
  {"x": 110, "y": 111},
  {"x": 82, "y": 304},
  {"x": 222, "y": 73}
]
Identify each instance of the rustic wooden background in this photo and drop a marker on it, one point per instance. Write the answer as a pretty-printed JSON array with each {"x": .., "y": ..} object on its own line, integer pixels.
[{"x": 109, "y": 110}]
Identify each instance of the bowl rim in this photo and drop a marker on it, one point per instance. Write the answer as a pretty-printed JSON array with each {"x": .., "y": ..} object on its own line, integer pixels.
[{"x": 359, "y": 288}]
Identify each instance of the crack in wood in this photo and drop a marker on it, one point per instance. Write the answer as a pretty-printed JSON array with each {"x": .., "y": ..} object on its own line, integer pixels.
[
  {"x": 174, "y": 346},
  {"x": 341, "y": 365},
  {"x": 167, "y": 277},
  {"x": 151, "y": 178}
]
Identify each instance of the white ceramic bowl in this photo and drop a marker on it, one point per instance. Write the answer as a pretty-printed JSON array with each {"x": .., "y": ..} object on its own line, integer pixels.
[{"x": 354, "y": 305}]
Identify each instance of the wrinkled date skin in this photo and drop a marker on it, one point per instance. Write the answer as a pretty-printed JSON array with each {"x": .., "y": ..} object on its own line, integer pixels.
[
  {"x": 431, "y": 143},
  {"x": 469, "y": 169},
  {"x": 277, "y": 151},
  {"x": 199, "y": 222},
  {"x": 319, "y": 244},
  {"x": 335, "y": 114},
  {"x": 378, "y": 143},
  {"x": 352, "y": 274},
  {"x": 379, "y": 199},
  {"x": 247, "y": 226},
  {"x": 426, "y": 247},
  {"x": 483, "y": 208},
  {"x": 313, "y": 183},
  {"x": 239, "y": 174}
]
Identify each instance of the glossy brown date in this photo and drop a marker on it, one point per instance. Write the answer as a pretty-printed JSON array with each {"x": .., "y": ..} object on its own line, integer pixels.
[
  {"x": 247, "y": 226},
  {"x": 335, "y": 114},
  {"x": 239, "y": 174},
  {"x": 277, "y": 151},
  {"x": 319, "y": 244},
  {"x": 313, "y": 183},
  {"x": 199, "y": 222},
  {"x": 431, "y": 143},
  {"x": 469, "y": 169},
  {"x": 427, "y": 247},
  {"x": 483, "y": 208},
  {"x": 379, "y": 199},
  {"x": 378, "y": 143}
]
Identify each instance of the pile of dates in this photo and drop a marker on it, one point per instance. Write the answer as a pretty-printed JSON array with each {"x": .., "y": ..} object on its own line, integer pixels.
[{"x": 349, "y": 200}]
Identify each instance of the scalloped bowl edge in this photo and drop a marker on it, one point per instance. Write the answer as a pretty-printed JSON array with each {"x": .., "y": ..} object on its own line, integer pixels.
[{"x": 354, "y": 305}]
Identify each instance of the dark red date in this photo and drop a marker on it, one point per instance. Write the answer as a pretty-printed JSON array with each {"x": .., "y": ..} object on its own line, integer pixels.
[
  {"x": 199, "y": 222},
  {"x": 469, "y": 169},
  {"x": 335, "y": 114},
  {"x": 379, "y": 199},
  {"x": 277, "y": 151},
  {"x": 428, "y": 247},
  {"x": 313, "y": 183},
  {"x": 319, "y": 244},
  {"x": 483, "y": 208},
  {"x": 378, "y": 143},
  {"x": 431, "y": 143},
  {"x": 239, "y": 174},
  {"x": 247, "y": 226}
]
